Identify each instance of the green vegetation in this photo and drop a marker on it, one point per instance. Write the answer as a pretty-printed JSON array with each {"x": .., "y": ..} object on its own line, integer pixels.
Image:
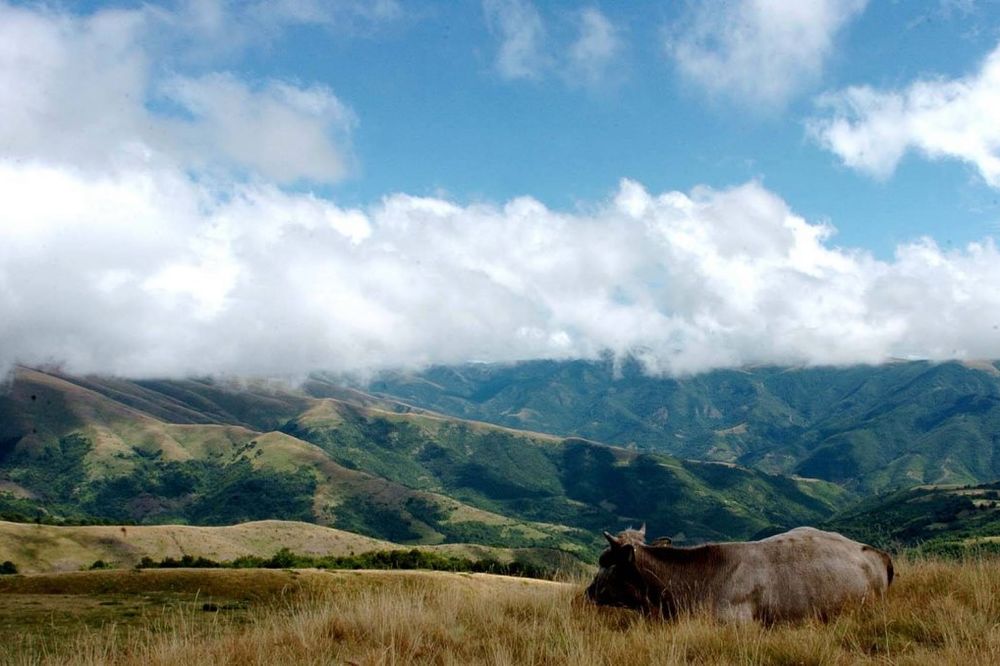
[
  {"x": 951, "y": 521},
  {"x": 201, "y": 492},
  {"x": 368, "y": 466},
  {"x": 386, "y": 470},
  {"x": 868, "y": 428},
  {"x": 580, "y": 484},
  {"x": 382, "y": 559}
]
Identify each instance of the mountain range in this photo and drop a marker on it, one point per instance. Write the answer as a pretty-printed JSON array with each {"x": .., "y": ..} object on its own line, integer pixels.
[
  {"x": 535, "y": 456},
  {"x": 212, "y": 452},
  {"x": 867, "y": 429}
]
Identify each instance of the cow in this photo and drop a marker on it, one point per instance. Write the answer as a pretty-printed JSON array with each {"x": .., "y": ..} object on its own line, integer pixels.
[{"x": 800, "y": 574}]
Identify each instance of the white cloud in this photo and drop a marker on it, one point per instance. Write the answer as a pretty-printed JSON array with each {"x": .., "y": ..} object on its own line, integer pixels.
[
  {"x": 329, "y": 12},
  {"x": 152, "y": 273},
  {"x": 595, "y": 48},
  {"x": 228, "y": 26},
  {"x": 82, "y": 90},
  {"x": 118, "y": 255},
  {"x": 526, "y": 50},
  {"x": 761, "y": 52},
  {"x": 282, "y": 132},
  {"x": 519, "y": 26},
  {"x": 871, "y": 130}
]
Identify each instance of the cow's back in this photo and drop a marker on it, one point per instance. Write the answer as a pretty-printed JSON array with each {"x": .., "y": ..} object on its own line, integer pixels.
[{"x": 799, "y": 574}]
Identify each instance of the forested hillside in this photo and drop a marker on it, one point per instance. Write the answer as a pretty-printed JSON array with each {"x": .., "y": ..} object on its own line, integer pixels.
[
  {"x": 212, "y": 453},
  {"x": 868, "y": 428}
]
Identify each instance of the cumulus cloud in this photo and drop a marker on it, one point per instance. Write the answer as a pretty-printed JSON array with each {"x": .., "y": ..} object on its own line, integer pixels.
[
  {"x": 221, "y": 26},
  {"x": 281, "y": 131},
  {"x": 760, "y": 52},
  {"x": 521, "y": 32},
  {"x": 83, "y": 90},
  {"x": 527, "y": 51},
  {"x": 153, "y": 273},
  {"x": 871, "y": 130},
  {"x": 131, "y": 242},
  {"x": 326, "y": 12},
  {"x": 594, "y": 49}
]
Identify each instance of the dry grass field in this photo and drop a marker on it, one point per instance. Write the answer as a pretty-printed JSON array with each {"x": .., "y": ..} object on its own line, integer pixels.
[
  {"x": 49, "y": 548},
  {"x": 937, "y": 612}
]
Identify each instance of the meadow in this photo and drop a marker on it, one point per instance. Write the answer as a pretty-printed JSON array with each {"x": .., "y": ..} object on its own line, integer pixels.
[{"x": 938, "y": 611}]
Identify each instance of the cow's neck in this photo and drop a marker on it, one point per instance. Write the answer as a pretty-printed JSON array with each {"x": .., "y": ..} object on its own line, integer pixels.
[{"x": 677, "y": 578}]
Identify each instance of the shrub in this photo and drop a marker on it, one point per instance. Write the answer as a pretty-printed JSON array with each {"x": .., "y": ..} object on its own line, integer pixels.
[
  {"x": 382, "y": 559},
  {"x": 8, "y": 567}
]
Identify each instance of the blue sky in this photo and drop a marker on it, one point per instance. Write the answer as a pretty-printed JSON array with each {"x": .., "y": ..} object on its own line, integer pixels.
[
  {"x": 273, "y": 187},
  {"x": 435, "y": 114}
]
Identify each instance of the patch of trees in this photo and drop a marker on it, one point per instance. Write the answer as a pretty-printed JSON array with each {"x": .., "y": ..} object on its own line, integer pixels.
[
  {"x": 382, "y": 559},
  {"x": 958, "y": 550}
]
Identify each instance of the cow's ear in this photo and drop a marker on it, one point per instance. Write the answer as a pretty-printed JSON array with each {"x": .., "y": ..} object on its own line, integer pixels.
[
  {"x": 628, "y": 553},
  {"x": 611, "y": 540}
]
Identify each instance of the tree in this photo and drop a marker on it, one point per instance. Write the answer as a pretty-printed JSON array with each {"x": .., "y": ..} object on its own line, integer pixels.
[{"x": 8, "y": 567}]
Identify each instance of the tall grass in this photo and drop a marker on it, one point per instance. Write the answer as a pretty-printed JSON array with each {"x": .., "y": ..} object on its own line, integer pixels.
[{"x": 936, "y": 612}]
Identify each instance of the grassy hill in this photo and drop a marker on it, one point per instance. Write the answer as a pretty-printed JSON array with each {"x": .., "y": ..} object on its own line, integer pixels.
[
  {"x": 79, "y": 454},
  {"x": 48, "y": 548},
  {"x": 952, "y": 520},
  {"x": 571, "y": 482},
  {"x": 867, "y": 428},
  {"x": 198, "y": 452}
]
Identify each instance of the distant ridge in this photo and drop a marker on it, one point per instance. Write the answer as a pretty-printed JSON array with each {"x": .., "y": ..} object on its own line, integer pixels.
[
  {"x": 50, "y": 548},
  {"x": 867, "y": 428}
]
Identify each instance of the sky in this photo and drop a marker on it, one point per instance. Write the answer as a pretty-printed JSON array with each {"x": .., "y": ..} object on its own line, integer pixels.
[{"x": 273, "y": 187}]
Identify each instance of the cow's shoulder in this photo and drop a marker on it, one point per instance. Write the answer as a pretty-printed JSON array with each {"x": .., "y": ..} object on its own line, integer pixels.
[{"x": 708, "y": 556}]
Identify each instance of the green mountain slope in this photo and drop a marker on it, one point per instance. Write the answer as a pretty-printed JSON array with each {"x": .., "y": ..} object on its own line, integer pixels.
[
  {"x": 78, "y": 454},
  {"x": 946, "y": 519},
  {"x": 866, "y": 427},
  {"x": 572, "y": 482},
  {"x": 199, "y": 452}
]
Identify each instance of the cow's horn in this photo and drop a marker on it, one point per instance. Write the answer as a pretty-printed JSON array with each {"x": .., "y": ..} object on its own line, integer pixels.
[
  {"x": 642, "y": 530},
  {"x": 611, "y": 539}
]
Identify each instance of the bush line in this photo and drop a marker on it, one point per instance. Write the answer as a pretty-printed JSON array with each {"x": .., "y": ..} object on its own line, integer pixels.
[{"x": 382, "y": 559}]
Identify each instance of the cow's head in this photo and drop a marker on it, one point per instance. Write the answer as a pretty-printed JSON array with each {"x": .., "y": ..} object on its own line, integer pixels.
[{"x": 618, "y": 582}]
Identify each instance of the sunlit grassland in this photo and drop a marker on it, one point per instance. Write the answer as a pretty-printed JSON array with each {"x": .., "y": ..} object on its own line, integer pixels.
[{"x": 937, "y": 612}]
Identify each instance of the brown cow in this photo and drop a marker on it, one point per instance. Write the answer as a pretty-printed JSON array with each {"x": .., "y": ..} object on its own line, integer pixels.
[{"x": 800, "y": 574}]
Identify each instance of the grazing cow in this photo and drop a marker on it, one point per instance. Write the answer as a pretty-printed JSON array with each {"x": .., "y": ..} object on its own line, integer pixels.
[{"x": 800, "y": 574}]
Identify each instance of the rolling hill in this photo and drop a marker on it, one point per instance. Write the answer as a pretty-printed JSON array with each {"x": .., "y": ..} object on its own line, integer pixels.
[
  {"x": 866, "y": 428},
  {"x": 206, "y": 452},
  {"x": 47, "y": 548},
  {"x": 950, "y": 520}
]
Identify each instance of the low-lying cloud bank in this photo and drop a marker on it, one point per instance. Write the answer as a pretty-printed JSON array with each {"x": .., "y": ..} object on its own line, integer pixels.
[{"x": 150, "y": 272}]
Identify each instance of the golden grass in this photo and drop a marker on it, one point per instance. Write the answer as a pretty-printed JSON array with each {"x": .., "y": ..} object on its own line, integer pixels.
[
  {"x": 38, "y": 548},
  {"x": 937, "y": 612},
  {"x": 50, "y": 548}
]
